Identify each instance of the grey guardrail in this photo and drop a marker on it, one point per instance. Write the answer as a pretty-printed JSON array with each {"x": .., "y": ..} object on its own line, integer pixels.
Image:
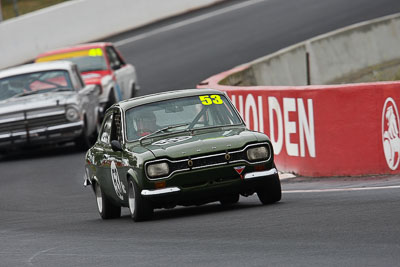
[{"x": 73, "y": 22}]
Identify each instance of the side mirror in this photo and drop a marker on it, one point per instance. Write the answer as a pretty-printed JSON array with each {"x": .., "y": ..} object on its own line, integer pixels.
[{"x": 116, "y": 145}]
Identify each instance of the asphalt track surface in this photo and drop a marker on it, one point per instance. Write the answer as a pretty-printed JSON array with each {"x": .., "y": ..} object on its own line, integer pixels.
[{"x": 47, "y": 218}]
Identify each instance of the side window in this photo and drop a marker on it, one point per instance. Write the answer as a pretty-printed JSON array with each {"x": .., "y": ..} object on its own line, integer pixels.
[
  {"x": 116, "y": 131},
  {"x": 106, "y": 130},
  {"x": 115, "y": 61}
]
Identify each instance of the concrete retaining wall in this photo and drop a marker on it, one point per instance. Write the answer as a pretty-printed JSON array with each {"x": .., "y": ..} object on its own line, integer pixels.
[
  {"x": 332, "y": 55},
  {"x": 79, "y": 21}
]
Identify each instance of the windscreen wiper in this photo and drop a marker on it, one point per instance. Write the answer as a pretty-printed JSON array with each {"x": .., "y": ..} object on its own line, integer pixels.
[
  {"x": 162, "y": 130},
  {"x": 43, "y": 91},
  {"x": 27, "y": 93}
]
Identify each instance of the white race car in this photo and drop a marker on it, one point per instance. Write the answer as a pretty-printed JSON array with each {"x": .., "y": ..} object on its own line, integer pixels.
[{"x": 47, "y": 103}]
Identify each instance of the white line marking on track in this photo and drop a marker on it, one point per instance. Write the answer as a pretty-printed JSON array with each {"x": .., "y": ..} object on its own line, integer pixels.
[
  {"x": 37, "y": 254},
  {"x": 342, "y": 189},
  {"x": 187, "y": 22}
]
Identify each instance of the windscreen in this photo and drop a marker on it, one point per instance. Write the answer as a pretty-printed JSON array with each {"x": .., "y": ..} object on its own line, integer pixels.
[
  {"x": 37, "y": 82},
  {"x": 187, "y": 113}
]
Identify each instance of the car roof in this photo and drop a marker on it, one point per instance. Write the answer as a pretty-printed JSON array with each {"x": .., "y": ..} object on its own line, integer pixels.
[
  {"x": 75, "y": 48},
  {"x": 36, "y": 67},
  {"x": 142, "y": 100}
]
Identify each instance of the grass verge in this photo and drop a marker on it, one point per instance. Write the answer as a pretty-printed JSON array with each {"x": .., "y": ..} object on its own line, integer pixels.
[{"x": 24, "y": 6}]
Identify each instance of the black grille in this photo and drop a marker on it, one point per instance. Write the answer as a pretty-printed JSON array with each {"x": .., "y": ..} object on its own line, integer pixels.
[
  {"x": 238, "y": 156},
  {"x": 178, "y": 166},
  {"x": 209, "y": 160},
  {"x": 217, "y": 159},
  {"x": 23, "y": 125}
]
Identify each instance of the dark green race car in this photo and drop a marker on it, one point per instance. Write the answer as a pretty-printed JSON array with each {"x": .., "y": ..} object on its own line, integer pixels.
[{"x": 187, "y": 147}]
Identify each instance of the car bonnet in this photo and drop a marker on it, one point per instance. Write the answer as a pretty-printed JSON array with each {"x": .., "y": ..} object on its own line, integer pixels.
[
  {"x": 201, "y": 143},
  {"x": 40, "y": 100}
]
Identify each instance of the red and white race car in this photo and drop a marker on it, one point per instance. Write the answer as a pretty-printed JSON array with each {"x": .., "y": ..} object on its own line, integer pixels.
[{"x": 101, "y": 64}]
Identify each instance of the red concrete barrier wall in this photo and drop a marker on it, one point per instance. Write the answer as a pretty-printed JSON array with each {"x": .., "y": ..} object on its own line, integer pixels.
[{"x": 335, "y": 130}]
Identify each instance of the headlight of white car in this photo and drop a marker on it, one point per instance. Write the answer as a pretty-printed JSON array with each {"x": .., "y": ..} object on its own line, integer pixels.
[
  {"x": 157, "y": 169},
  {"x": 258, "y": 153},
  {"x": 72, "y": 114}
]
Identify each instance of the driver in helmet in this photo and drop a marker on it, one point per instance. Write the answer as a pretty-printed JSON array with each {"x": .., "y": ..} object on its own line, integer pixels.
[{"x": 146, "y": 123}]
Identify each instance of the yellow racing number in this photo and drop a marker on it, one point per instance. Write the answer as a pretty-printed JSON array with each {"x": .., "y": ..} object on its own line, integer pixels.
[
  {"x": 217, "y": 99},
  {"x": 95, "y": 52},
  {"x": 212, "y": 99}
]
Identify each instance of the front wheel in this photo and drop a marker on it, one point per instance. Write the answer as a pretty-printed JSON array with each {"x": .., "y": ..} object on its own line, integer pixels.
[
  {"x": 95, "y": 134},
  {"x": 270, "y": 192},
  {"x": 106, "y": 209},
  {"x": 139, "y": 208}
]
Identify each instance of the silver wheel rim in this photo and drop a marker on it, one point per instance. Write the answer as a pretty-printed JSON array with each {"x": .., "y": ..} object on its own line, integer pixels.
[
  {"x": 99, "y": 198},
  {"x": 131, "y": 198}
]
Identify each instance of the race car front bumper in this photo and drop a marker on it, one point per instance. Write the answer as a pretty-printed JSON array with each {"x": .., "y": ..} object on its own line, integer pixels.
[
  {"x": 251, "y": 176},
  {"x": 162, "y": 191}
]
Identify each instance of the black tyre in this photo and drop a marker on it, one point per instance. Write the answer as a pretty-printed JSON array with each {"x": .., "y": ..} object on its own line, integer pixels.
[
  {"x": 83, "y": 142},
  {"x": 95, "y": 134},
  {"x": 106, "y": 209},
  {"x": 271, "y": 191},
  {"x": 229, "y": 200},
  {"x": 139, "y": 208},
  {"x": 111, "y": 100}
]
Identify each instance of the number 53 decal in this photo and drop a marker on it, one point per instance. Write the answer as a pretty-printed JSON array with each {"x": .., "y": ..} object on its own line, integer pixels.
[{"x": 212, "y": 99}]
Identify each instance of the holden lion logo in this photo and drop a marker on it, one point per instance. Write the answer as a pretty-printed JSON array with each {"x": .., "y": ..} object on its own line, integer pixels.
[{"x": 390, "y": 133}]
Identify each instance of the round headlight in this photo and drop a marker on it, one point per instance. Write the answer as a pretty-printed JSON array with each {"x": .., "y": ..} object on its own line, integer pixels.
[
  {"x": 72, "y": 114},
  {"x": 157, "y": 169},
  {"x": 258, "y": 153}
]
